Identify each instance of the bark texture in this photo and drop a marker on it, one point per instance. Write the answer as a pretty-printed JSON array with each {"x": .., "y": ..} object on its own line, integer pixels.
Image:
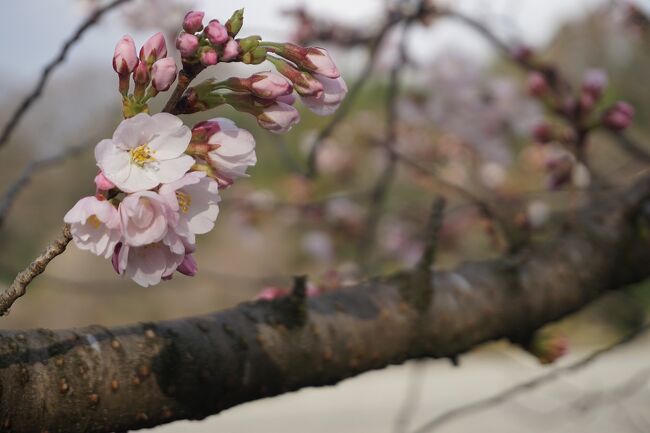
[{"x": 100, "y": 379}]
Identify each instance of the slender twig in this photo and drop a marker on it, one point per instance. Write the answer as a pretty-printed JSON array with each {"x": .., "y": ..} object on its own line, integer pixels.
[
  {"x": 7, "y": 200},
  {"x": 411, "y": 399},
  {"x": 35, "y": 268},
  {"x": 353, "y": 94},
  {"x": 50, "y": 67},
  {"x": 521, "y": 388},
  {"x": 630, "y": 146},
  {"x": 386, "y": 178}
]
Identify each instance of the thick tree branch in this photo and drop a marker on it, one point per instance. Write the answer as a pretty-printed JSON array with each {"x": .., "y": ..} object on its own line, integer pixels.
[{"x": 102, "y": 380}]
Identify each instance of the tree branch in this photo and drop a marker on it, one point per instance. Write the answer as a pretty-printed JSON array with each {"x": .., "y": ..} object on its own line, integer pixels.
[
  {"x": 35, "y": 268},
  {"x": 102, "y": 380},
  {"x": 521, "y": 388}
]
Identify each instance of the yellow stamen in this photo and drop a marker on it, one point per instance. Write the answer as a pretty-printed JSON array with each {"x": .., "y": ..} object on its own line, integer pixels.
[
  {"x": 184, "y": 201},
  {"x": 94, "y": 221},
  {"x": 142, "y": 155}
]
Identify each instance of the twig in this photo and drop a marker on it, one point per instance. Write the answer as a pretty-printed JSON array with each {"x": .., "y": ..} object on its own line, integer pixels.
[
  {"x": 353, "y": 94},
  {"x": 632, "y": 147},
  {"x": 7, "y": 200},
  {"x": 411, "y": 399},
  {"x": 379, "y": 192},
  {"x": 514, "y": 391},
  {"x": 37, "y": 267},
  {"x": 49, "y": 68}
]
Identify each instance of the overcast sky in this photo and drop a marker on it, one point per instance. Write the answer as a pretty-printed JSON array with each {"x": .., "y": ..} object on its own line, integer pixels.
[{"x": 34, "y": 29}]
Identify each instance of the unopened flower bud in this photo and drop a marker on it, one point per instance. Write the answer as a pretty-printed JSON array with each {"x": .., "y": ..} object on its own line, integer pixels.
[
  {"x": 209, "y": 57},
  {"x": 255, "y": 57},
  {"x": 188, "y": 266},
  {"x": 125, "y": 58},
  {"x": 249, "y": 44},
  {"x": 102, "y": 183},
  {"x": 163, "y": 74},
  {"x": 235, "y": 23},
  {"x": 141, "y": 74},
  {"x": 548, "y": 347},
  {"x": 271, "y": 293},
  {"x": 216, "y": 32},
  {"x": 264, "y": 85},
  {"x": 289, "y": 99},
  {"x": 312, "y": 59},
  {"x": 619, "y": 117},
  {"x": 594, "y": 83},
  {"x": 193, "y": 21},
  {"x": 304, "y": 82},
  {"x": 187, "y": 44},
  {"x": 542, "y": 133},
  {"x": 230, "y": 51},
  {"x": 537, "y": 84},
  {"x": 155, "y": 48},
  {"x": 523, "y": 53},
  {"x": 278, "y": 118}
]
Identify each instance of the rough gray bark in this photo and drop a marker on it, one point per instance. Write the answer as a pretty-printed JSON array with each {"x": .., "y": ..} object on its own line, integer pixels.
[{"x": 102, "y": 380}]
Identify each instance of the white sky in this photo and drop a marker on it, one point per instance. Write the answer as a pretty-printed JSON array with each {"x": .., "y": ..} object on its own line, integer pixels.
[{"x": 34, "y": 29}]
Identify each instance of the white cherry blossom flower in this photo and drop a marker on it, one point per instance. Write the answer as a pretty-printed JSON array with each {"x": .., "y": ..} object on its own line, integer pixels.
[
  {"x": 145, "y": 151},
  {"x": 236, "y": 151},
  {"x": 146, "y": 265},
  {"x": 145, "y": 218},
  {"x": 95, "y": 226},
  {"x": 196, "y": 199}
]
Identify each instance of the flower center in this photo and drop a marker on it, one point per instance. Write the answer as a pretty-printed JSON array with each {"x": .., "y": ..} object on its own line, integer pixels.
[
  {"x": 184, "y": 201},
  {"x": 142, "y": 155},
  {"x": 94, "y": 221}
]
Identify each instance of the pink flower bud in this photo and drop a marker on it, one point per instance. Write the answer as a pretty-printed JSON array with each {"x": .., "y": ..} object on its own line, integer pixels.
[
  {"x": 329, "y": 100},
  {"x": 289, "y": 99},
  {"x": 271, "y": 293},
  {"x": 155, "y": 48},
  {"x": 548, "y": 347},
  {"x": 102, "y": 183},
  {"x": 270, "y": 86},
  {"x": 230, "y": 51},
  {"x": 312, "y": 59},
  {"x": 537, "y": 84},
  {"x": 323, "y": 63},
  {"x": 115, "y": 259},
  {"x": 594, "y": 83},
  {"x": 125, "y": 58},
  {"x": 188, "y": 266},
  {"x": 141, "y": 73},
  {"x": 209, "y": 57},
  {"x": 187, "y": 44},
  {"x": 163, "y": 73},
  {"x": 619, "y": 117},
  {"x": 542, "y": 133},
  {"x": 265, "y": 85},
  {"x": 193, "y": 21},
  {"x": 304, "y": 82},
  {"x": 523, "y": 53},
  {"x": 216, "y": 33},
  {"x": 278, "y": 117}
]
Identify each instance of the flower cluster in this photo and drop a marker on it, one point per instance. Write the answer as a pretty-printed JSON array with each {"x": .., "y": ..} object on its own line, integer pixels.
[
  {"x": 309, "y": 71},
  {"x": 152, "y": 71},
  {"x": 159, "y": 181},
  {"x": 150, "y": 202}
]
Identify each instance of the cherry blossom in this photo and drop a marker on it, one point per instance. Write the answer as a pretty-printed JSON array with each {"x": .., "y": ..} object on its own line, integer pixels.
[
  {"x": 195, "y": 198},
  {"x": 95, "y": 225},
  {"x": 145, "y": 151}
]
